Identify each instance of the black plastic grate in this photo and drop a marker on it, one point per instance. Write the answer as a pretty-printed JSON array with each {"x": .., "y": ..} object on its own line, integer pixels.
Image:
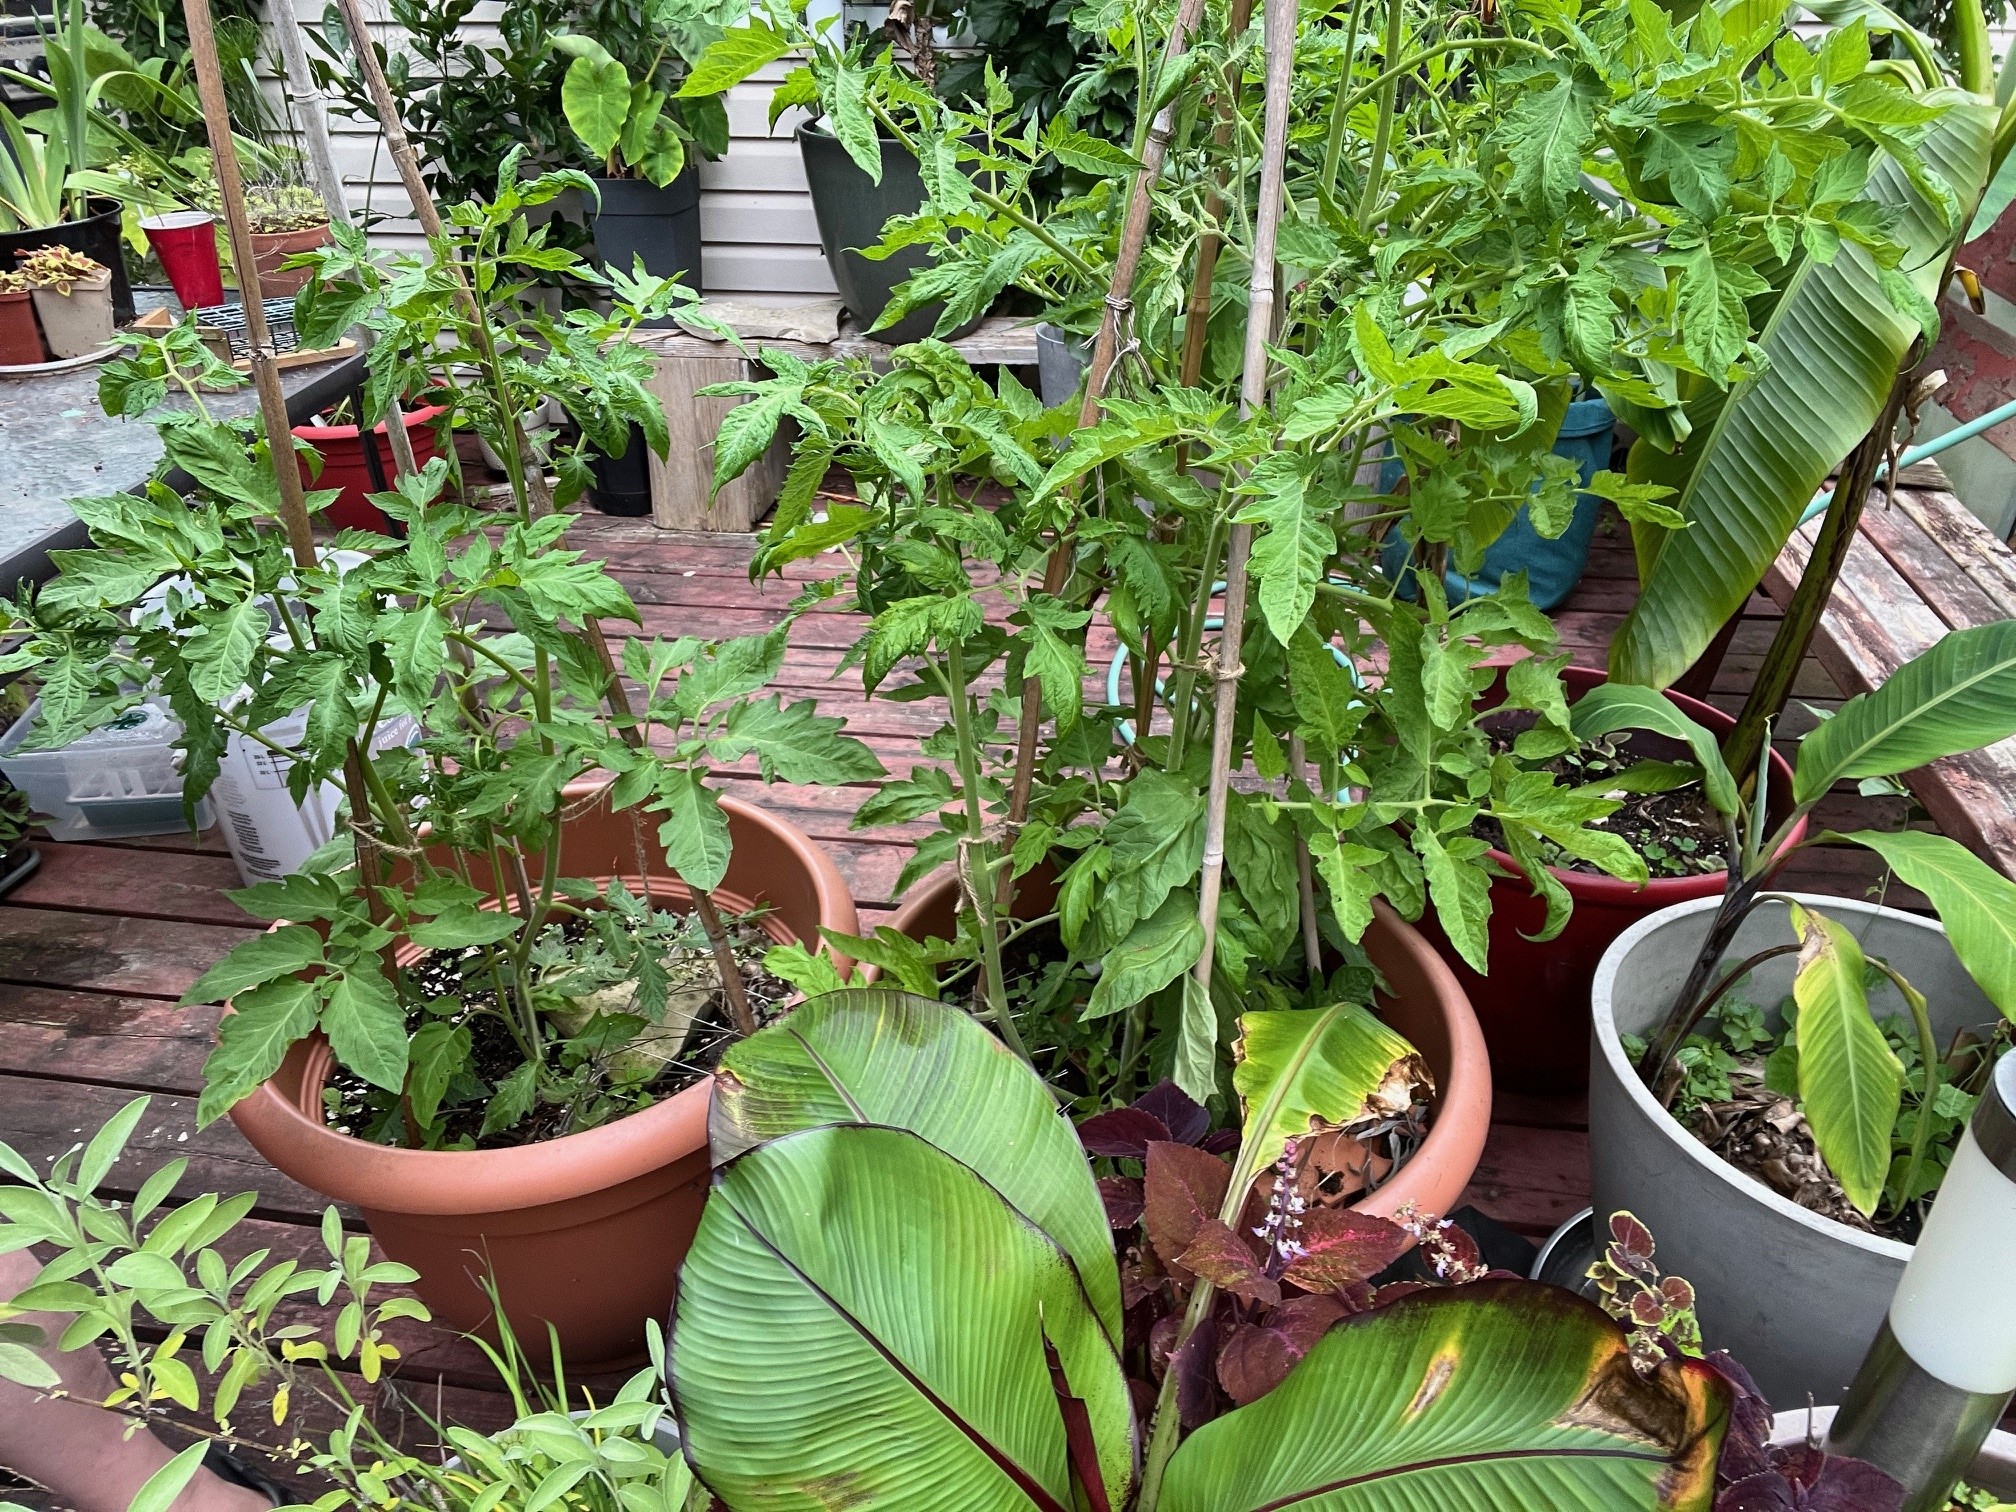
[{"x": 230, "y": 319}]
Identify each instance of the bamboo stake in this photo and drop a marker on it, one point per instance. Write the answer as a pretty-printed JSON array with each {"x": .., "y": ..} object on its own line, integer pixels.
[
  {"x": 1280, "y": 45},
  {"x": 306, "y": 101},
  {"x": 1105, "y": 356},
  {"x": 1305, "y": 880},
  {"x": 1280, "y": 56},
  {"x": 231, "y": 192},
  {"x": 273, "y": 415}
]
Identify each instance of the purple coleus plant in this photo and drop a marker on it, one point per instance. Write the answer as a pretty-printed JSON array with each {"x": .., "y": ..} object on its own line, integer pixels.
[{"x": 1299, "y": 1259}]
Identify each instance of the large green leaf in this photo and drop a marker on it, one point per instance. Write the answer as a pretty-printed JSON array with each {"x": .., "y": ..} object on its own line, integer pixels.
[
  {"x": 1958, "y": 696},
  {"x": 869, "y": 1055},
  {"x": 1759, "y": 450},
  {"x": 1500, "y": 1394},
  {"x": 595, "y": 95},
  {"x": 1976, "y": 903},
  {"x": 1304, "y": 1070},
  {"x": 1628, "y": 706},
  {"x": 862, "y": 1322},
  {"x": 1850, "y": 1081}
]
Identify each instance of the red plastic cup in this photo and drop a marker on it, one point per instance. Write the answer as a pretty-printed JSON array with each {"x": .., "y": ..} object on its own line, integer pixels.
[{"x": 186, "y": 243}]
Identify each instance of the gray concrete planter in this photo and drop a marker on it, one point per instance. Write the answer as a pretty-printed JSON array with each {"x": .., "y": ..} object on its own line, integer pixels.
[{"x": 1794, "y": 1296}]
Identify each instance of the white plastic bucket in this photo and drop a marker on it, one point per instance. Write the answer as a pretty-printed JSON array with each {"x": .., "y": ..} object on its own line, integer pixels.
[{"x": 268, "y": 833}]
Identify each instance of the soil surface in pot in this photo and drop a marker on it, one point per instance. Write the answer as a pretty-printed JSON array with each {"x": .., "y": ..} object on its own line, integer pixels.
[
  {"x": 354, "y": 1106},
  {"x": 1673, "y": 826},
  {"x": 1735, "y": 1088}
]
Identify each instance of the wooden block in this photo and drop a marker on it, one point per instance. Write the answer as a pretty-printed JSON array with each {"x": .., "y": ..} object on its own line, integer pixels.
[{"x": 683, "y": 478}]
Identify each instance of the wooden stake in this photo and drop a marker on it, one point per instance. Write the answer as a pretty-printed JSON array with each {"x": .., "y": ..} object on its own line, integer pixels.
[
  {"x": 231, "y": 192},
  {"x": 1197, "y": 315},
  {"x": 1280, "y": 45},
  {"x": 1105, "y": 356}
]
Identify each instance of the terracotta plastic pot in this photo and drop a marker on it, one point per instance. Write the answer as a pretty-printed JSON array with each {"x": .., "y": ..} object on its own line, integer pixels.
[
  {"x": 585, "y": 1232},
  {"x": 78, "y": 323},
  {"x": 97, "y": 235},
  {"x": 20, "y": 337},
  {"x": 344, "y": 466},
  {"x": 1426, "y": 1005},
  {"x": 272, "y": 248},
  {"x": 1534, "y": 1005}
]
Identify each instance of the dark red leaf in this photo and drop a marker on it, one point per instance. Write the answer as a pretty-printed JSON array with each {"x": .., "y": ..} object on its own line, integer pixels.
[
  {"x": 1138, "y": 1283},
  {"x": 1183, "y": 1188},
  {"x": 1678, "y": 1292},
  {"x": 1184, "y": 1118},
  {"x": 1631, "y": 1246},
  {"x": 1743, "y": 1446},
  {"x": 1162, "y": 1339},
  {"x": 1343, "y": 1246},
  {"x": 1123, "y": 1134},
  {"x": 1358, "y": 1296},
  {"x": 1124, "y": 1200},
  {"x": 1757, "y": 1493},
  {"x": 1393, "y": 1291},
  {"x": 1850, "y": 1485},
  {"x": 1079, "y": 1445},
  {"x": 1225, "y": 1260},
  {"x": 1196, "y": 1387},
  {"x": 1220, "y": 1141},
  {"x": 1256, "y": 1357},
  {"x": 1647, "y": 1310}
]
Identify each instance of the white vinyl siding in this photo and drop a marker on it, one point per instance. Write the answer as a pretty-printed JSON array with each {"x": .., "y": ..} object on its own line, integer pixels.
[{"x": 755, "y": 214}]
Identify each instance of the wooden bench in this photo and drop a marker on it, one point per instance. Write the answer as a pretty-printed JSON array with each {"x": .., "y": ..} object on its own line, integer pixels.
[
  {"x": 682, "y": 481},
  {"x": 1920, "y": 567}
]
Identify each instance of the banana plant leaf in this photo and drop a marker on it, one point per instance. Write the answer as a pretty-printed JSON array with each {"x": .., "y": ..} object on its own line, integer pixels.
[
  {"x": 1958, "y": 696},
  {"x": 1850, "y": 1081},
  {"x": 1303, "y": 1070},
  {"x": 1760, "y": 449},
  {"x": 1497, "y": 1394},
  {"x": 864, "y": 1322},
  {"x": 869, "y": 1055}
]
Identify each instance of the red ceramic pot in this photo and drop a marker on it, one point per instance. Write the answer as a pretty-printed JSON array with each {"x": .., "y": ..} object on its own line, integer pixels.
[
  {"x": 344, "y": 466},
  {"x": 1426, "y": 1005},
  {"x": 1534, "y": 1005},
  {"x": 584, "y": 1232}
]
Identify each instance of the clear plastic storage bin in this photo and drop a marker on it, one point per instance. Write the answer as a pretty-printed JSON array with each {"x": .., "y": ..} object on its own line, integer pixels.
[{"x": 124, "y": 779}]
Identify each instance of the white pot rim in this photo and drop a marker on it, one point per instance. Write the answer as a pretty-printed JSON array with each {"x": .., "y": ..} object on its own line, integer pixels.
[{"x": 1622, "y": 1071}]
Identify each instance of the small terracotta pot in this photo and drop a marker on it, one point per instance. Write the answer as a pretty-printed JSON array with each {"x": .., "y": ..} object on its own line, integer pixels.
[
  {"x": 1534, "y": 1005},
  {"x": 344, "y": 466},
  {"x": 1426, "y": 1005},
  {"x": 272, "y": 248},
  {"x": 585, "y": 1232},
  {"x": 78, "y": 323},
  {"x": 20, "y": 336}
]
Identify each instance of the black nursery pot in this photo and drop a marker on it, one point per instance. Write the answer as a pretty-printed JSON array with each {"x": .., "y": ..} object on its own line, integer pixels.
[
  {"x": 637, "y": 218},
  {"x": 96, "y": 236},
  {"x": 851, "y": 210},
  {"x": 623, "y": 483}
]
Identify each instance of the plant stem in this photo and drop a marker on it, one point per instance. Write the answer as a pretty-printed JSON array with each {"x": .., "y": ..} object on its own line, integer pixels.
[
  {"x": 1388, "y": 84},
  {"x": 1738, "y": 898},
  {"x": 1280, "y": 51},
  {"x": 1773, "y": 686},
  {"x": 976, "y": 873},
  {"x": 724, "y": 961},
  {"x": 1305, "y": 879},
  {"x": 1709, "y": 1000},
  {"x": 1340, "y": 106},
  {"x": 1105, "y": 351},
  {"x": 1181, "y": 714}
]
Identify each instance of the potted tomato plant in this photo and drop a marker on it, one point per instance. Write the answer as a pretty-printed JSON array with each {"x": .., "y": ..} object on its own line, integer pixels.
[{"x": 484, "y": 1011}]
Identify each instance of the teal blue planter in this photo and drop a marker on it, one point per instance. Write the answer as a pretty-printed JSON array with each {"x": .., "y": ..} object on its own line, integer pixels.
[{"x": 1552, "y": 568}]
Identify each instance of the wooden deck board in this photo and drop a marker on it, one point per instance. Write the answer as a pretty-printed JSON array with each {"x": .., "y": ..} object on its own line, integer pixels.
[{"x": 97, "y": 948}]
